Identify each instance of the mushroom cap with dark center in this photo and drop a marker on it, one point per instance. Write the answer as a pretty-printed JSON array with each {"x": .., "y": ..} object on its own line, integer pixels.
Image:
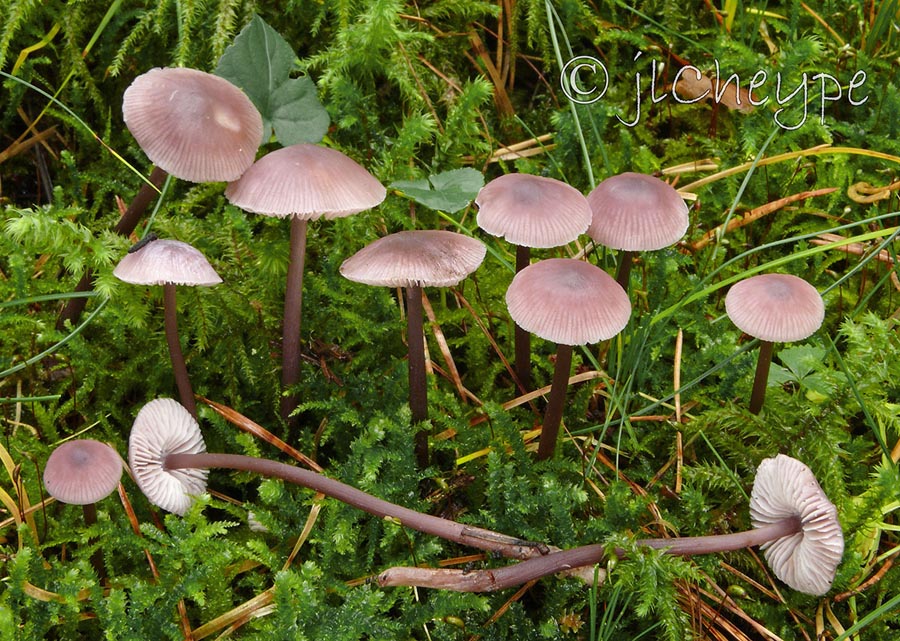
[
  {"x": 532, "y": 211},
  {"x": 775, "y": 307},
  {"x": 83, "y": 471},
  {"x": 568, "y": 301},
  {"x": 637, "y": 212},
  {"x": 166, "y": 261},
  {"x": 196, "y": 126},
  {"x": 164, "y": 427},
  {"x": 307, "y": 181},
  {"x": 806, "y": 561},
  {"x": 424, "y": 258}
]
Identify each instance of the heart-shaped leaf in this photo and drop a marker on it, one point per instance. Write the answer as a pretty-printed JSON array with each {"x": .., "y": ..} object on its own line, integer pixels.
[
  {"x": 260, "y": 62},
  {"x": 448, "y": 191}
]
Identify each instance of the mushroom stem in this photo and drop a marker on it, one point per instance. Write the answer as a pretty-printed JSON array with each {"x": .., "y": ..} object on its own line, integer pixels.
[
  {"x": 480, "y": 538},
  {"x": 523, "y": 338},
  {"x": 418, "y": 390},
  {"x": 127, "y": 222},
  {"x": 624, "y": 269},
  {"x": 761, "y": 379},
  {"x": 185, "y": 392},
  {"x": 537, "y": 567},
  {"x": 556, "y": 404},
  {"x": 293, "y": 305}
]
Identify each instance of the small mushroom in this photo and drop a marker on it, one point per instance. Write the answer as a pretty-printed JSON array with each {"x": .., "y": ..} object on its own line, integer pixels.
[
  {"x": 636, "y": 212},
  {"x": 413, "y": 260},
  {"x": 531, "y": 211},
  {"x": 773, "y": 308},
  {"x": 302, "y": 182},
  {"x": 169, "y": 263},
  {"x": 570, "y": 302}
]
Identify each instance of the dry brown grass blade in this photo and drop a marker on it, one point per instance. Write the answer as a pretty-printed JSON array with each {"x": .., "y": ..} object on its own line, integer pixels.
[
  {"x": 503, "y": 608},
  {"x": 755, "y": 214},
  {"x": 21, "y": 144},
  {"x": 501, "y": 98},
  {"x": 239, "y": 420},
  {"x": 307, "y": 528},
  {"x": 237, "y": 616},
  {"x": 444, "y": 347},
  {"x": 858, "y": 249}
]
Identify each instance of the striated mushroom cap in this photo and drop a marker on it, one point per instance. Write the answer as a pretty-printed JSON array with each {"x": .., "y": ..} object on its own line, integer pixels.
[
  {"x": 568, "y": 301},
  {"x": 81, "y": 472},
  {"x": 637, "y": 212},
  {"x": 164, "y": 427},
  {"x": 308, "y": 181},
  {"x": 424, "y": 258},
  {"x": 166, "y": 261},
  {"x": 197, "y": 126},
  {"x": 806, "y": 561},
  {"x": 775, "y": 307},
  {"x": 532, "y": 211}
]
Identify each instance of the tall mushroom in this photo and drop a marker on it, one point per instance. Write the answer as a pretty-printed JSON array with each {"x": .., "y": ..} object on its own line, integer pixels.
[
  {"x": 169, "y": 263},
  {"x": 570, "y": 302},
  {"x": 413, "y": 260},
  {"x": 636, "y": 212},
  {"x": 531, "y": 211},
  {"x": 773, "y": 308},
  {"x": 793, "y": 522},
  {"x": 192, "y": 125},
  {"x": 302, "y": 182}
]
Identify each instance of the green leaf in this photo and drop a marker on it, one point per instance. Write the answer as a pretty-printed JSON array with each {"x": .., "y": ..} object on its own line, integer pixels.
[
  {"x": 448, "y": 191},
  {"x": 260, "y": 62}
]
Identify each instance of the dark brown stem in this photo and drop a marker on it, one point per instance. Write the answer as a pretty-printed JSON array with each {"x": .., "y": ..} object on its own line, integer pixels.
[
  {"x": 451, "y": 530},
  {"x": 523, "y": 338},
  {"x": 89, "y": 512},
  {"x": 293, "y": 309},
  {"x": 624, "y": 270},
  {"x": 758, "y": 396},
  {"x": 185, "y": 393},
  {"x": 564, "y": 560},
  {"x": 127, "y": 222},
  {"x": 418, "y": 389},
  {"x": 557, "y": 403}
]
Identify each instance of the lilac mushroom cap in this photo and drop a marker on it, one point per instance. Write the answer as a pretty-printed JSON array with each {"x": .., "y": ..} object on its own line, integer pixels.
[
  {"x": 532, "y": 211},
  {"x": 166, "y": 261},
  {"x": 806, "y": 561},
  {"x": 194, "y": 125},
  {"x": 637, "y": 212},
  {"x": 307, "y": 181},
  {"x": 162, "y": 427},
  {"x": 775, "y": 307},
  {"x": 416, "y": 258},
  {"x": 82, "y": 472},
  {"x": 568, "y": 301}
]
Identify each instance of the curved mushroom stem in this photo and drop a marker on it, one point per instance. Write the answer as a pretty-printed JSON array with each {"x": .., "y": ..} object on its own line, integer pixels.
[
  {"x": 522, "y": 338},
  {"x": 761, "y": 379},
  {"x": 624, "y": 269},
  {"x": 556, "y": 404},
  {"x": 127, "y": 222},
  {"x": 185, "y": 392},
  {"x": 293, "y": 309},
  {"x": 480, "y": 538},
  {"x": 564, "y": 560}
]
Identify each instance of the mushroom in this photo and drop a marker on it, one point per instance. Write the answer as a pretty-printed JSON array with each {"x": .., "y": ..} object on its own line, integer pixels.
[
  {"x": 169, "y": 263},
  {"x": 531, "y": 211},
  {"x": 793, "y": 521},
  {"x": 773, "y": 307},
  {"x": 302, "y": 182},
  {"x": 413, "y": 260},
  {"x": 570, "y": 302},
  {"x": 169, "y": 460},
  {"x": 636, "y": 212},
  {"x": 191, "y": 124}
]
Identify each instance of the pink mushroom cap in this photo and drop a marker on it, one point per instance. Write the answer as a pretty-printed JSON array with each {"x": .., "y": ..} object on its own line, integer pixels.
[
  {"x": 775, "y": 307},
  {"x": 82, "y": 472}
]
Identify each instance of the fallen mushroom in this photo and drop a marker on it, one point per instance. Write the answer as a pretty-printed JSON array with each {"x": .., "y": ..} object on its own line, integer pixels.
[
  {"x": 302, "y": 182},
  {"x": 413, "y": 260},
  {"x": 531, "y": 211},
  {"x": 570, "y": 302},
  {"x": 169, "y": 263},
  {"x": 773, "y": 308}
]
